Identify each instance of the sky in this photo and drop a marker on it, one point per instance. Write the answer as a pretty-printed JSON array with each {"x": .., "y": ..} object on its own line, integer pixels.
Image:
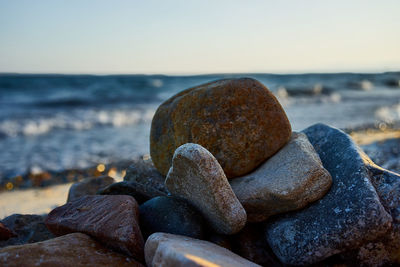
[{"x": 193, "y": 37}]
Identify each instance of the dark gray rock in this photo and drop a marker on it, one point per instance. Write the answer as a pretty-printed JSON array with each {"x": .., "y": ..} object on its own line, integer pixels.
[
  {"x": 88, "y": 186},
  {"x": 349, "y": 216},
  {"x": 251, "y": 244},
  {"x": 220, "y": 240},
  {"x": 27, "y": 228},
  {"x": 143, "y": 172},
  {"x": 139, "y": 192},
  {"x": 170, "y": 215}
]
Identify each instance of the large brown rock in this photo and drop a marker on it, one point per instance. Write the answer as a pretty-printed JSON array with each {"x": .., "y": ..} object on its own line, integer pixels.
[
  {"x": 112, "y": 220},
  {"x": 238, "y": 120},
  {"x": 196, "y": 176},
  {"x": 173, "y": 250},
  {"x": 291, "y": 179},
  {"x": 73, "y": 250}
]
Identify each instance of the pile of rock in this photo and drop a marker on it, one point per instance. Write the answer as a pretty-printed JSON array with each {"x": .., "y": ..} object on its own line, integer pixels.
[{"x": 229, "y": 184}]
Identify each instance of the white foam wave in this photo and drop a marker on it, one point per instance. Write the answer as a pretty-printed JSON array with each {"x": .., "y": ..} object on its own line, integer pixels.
[
  {"x": 389, "y": 114},
  {"x": 79, "y": 121}
]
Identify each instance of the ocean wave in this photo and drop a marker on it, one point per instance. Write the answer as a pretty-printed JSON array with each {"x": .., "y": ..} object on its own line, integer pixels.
[
  {"x": 389, "y": 114},
  {"x": 77, "y": 120}
]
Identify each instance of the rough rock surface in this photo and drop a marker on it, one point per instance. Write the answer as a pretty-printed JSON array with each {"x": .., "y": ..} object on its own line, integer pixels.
[
  {"x": 196, "y": 176},
  {"x": 143, "y": 172},
  {"x": 238, "y": 120},
  {"x": 112, "y": 220},
  {"x": 173, "y": 250},
  {"x": 72, "y": 250},
  {"x": 170, "y": 215},
  {"x": 27, "y": 228},
  {"x": 250, "y": 243},
  {"x": 139, "y": 192},
  {"x": 384, "y": 250},
  {"x": 289, "y": 180},
  {"x": 88, "y": 186},
  {"x": 348, "y": 216}
]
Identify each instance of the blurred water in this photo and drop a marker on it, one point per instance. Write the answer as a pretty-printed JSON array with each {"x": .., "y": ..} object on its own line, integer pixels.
[{"x": 58, "y": 122}]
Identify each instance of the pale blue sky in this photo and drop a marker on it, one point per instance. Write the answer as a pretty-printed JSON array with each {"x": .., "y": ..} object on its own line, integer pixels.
[{"x": 179, "y": 37}]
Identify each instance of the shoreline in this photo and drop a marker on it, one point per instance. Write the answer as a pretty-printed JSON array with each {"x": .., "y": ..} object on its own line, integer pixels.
[{"x": 42, "y": 199}]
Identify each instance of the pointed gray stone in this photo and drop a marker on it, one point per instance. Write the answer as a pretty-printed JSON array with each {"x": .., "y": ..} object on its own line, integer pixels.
[
  {"x": 196, "y": 176},
  {"x": 349, "y": 216}
]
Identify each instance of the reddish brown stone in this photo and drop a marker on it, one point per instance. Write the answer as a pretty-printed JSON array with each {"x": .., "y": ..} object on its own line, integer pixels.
[
  {"x": 5, "y": 233},
  {"x": 69, "y": 250},
  {"x": 112, "y": 220},
  {"x": 238, "y": 120}
]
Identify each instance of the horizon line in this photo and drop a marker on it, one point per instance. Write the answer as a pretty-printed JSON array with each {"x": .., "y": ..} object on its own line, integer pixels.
[{"x": 374, "y": 71}]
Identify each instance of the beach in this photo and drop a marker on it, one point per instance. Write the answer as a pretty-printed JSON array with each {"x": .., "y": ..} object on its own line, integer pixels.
[
  {"x": 59, "y": 129},
  {"x": 43, "y": 200},
  {"x": 287, "y": 159}
]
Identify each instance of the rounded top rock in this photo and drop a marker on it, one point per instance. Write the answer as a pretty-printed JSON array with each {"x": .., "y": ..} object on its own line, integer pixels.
[{"x": 238, "y": 120}]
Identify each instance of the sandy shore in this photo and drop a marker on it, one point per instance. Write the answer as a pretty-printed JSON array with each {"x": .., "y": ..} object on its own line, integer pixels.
[
  {"x": 43, "y": 200},
  {"x": 33, "y": 201}
]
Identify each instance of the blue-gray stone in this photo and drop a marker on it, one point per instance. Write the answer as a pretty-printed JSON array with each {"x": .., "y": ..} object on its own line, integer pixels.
[
  {"x": 385, "y": 250},
  {"x": 348, "y": 216},
  {"x": 170, "y": 215}
]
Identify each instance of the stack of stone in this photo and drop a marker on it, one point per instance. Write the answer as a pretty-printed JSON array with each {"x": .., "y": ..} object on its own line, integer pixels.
[{"x": 228, "y": 184}]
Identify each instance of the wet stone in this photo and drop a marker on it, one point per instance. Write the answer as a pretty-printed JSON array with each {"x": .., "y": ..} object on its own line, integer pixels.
[{"x": 111, "y": 220}]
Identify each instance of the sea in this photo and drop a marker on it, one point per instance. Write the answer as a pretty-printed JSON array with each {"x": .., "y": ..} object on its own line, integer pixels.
[{"x": 60, "y": 122}]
